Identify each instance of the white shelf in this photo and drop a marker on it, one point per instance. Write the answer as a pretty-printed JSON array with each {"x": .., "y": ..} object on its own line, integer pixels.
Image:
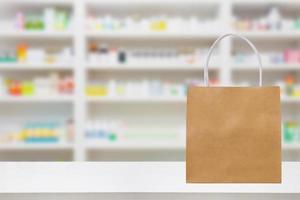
[
  {"x": 147, "y": 2},
  {"x": 36, "y": 34},
  {"x": 150, "y": 35},
  {"x": 148, "y": 67},
  {"x": 125, "y": 177},
  {"x": 36, "y": 99},
  {"x": 153, "y": 145},
  {"x": 121, "y": 99},
  {"x": 267, "y": 67},
  {"x": 136, "y": 99},
  {"x": 285, "y": 99},
  {"x": 137, "y": 145},
  {"x": 35, "y": 2},
  {"x": 270, "y": 35},
  {"x": 35, "y": 66},
  {"x": 35, "y": 147},
  {"x": 260, "y": 2},
  {"x": 290, "y": 147}
]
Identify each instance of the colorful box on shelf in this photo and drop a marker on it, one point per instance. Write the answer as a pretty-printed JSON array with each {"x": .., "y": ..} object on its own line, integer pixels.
[
  {"x": 150, "y": 24},
  {"x": 24, "y": 54},
  {"x": 53, "y": 84},
  {"x": 112, "y": 131},
  {"x": 291, "y": 132},
  {"x": 49, "y": 19},
  {"x": 104, "y": 54},
  {"x": 40, "y": 132},
  {"x": 143, "y": 88},
  {"x": 290, "y": 87},
  {"x": 103, "y": 130},
  {"x": 273, "y": 21},
  {"x": 288, "y": 56}
]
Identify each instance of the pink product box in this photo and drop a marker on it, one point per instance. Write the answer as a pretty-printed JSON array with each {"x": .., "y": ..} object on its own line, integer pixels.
[{"x": 292, "y": 56}]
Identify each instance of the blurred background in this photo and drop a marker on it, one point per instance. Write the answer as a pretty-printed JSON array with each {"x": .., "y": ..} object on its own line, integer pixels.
[{"x": 106, "y": 80}]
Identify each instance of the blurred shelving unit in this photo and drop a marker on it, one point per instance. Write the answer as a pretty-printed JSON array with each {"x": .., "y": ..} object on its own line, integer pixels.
[
  {"x": 29, "y": 109},
  {"x": 160, "y": 108},
  {"x": 147, "y": 112}
]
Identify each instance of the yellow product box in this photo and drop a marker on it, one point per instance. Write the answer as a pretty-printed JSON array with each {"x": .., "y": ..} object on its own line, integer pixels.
[
  {"x": 120, "y": 90},
  {"x": 23, "y": 134},
  {"x": 296, "y": 93},
  {"x": 96, "y": 91},
  {"x": 43, "y": 133},
  {"x": 36, "y": 132},
  {"x": 99, "y": 27},
  {"x": 158, "y": 25}
]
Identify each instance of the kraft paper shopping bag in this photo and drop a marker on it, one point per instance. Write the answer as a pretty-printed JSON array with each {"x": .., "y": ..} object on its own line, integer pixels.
[{"x": 233, "y": 133}]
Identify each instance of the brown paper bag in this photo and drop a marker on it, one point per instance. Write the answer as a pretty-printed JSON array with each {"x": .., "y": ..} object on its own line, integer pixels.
[{"x": 233, "y": 133}]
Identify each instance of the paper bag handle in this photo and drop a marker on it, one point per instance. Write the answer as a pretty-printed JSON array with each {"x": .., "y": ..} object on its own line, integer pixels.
[{"x": 206, "y": 78}]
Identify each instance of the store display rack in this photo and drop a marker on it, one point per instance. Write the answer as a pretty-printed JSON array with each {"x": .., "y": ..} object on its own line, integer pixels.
[{"x": 84, "y": 108}]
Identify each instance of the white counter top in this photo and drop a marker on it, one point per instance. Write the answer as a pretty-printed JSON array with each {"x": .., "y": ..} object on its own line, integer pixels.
[{"x": 70, "y": 177}]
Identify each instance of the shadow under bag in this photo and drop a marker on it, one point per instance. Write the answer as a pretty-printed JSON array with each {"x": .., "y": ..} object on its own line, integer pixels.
[{"x": 233, "y": 133}]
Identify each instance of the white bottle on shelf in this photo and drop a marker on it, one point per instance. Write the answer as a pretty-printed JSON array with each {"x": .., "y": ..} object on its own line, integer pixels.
[
  {"x": 65, "y": 56},
  {"x": 49, "y": 15},
  {"x": 19, "y": 20},
  {"x": 112, "y": 88},
  {"x": 274, "y": 19},
  {"x": 36, "y": 55},
  {"x": 89, "y": 130}
]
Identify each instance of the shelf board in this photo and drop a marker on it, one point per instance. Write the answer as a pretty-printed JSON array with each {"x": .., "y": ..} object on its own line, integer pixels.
[
  {"x": 153, "y": 145},
  {"x": 36, "y": 34},
  {"x": 136, "y": 99},
  {"x": 35, "y": 2},
  {"x": 35, "y": 147},
  {"x": 35, "y": 66},
  {"x": 150, "y": 35},
  {"x": 261, "y": 2},
  {"x": 285, "y": 99},
  {"x": 147, "y": 67},
  {"x": 268, "y": 67},
  {"x": 290, "y": 147},
  {"x": 137, "y": 145},
  {"x": 147, "y": 2},
  {"x": 126, "y": 177},
  {"x": 36, "y": 99},
  {"x": 270, "y": 35}
]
